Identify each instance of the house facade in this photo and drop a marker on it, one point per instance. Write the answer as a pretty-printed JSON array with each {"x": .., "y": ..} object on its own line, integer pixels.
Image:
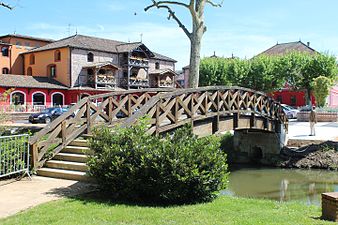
[
  {"x": 64, "y": 71},
  {"x": 12, "y": 46}
]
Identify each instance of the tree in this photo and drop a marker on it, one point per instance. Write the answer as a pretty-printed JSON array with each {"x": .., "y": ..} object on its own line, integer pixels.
[
  {"x": 5, "y": 5},
  {"x": 304, "y": 68},
  {"x": 260, "y": 73},
  {"x": 321, "y": 89},
  {"x": 196, "y": 9}
]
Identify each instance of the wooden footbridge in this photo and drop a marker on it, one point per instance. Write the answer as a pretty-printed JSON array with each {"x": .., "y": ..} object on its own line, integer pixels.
[{"x": 209, "y": 110}]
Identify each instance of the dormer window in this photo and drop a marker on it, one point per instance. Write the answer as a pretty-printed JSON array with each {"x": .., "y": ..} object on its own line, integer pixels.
[
  {"x": 32, "y": 59},
  {"x": 57, "y": 56},
  {"x": 90, "y": 57},
  {"x": 5, "y": 51},
  {"x": 157, "y": 65}
]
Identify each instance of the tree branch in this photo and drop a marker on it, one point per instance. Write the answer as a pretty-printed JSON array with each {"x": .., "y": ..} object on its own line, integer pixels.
[
  {"x": 215, "y": 4},
  {"x": 6, "y": 5},
  {"x": 162, "y": 4},
  {"x": 166, "y": 2}
]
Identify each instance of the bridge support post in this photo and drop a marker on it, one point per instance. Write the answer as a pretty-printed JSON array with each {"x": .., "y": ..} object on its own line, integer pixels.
[
  {"x": 252, "y": 120},
  {"x": 236, "y": 119}
]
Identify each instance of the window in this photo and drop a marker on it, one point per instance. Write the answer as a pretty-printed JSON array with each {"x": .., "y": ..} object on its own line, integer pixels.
[
  {"x": 90, "y": 57},
  {"x": 18, "y": 44},
  {"x": 57, "y": 56},
  {"x": 90, "y": 72},
  {"x": 51, "y": 71},
  {"x": 39, "y": 98},
  {"x": 279, "y": 98},
  {"x": 29, "y": 71},
  {"x": 57, "y": 99},
  {"x": 157, "y": 65},
  {"x": 5, "y": 51},
  {"x": 5, "y": 71},
  {"x": 32, "y": 59},
  {"x": 293, "y": 100},
  {"x": 17, "y": 98}
]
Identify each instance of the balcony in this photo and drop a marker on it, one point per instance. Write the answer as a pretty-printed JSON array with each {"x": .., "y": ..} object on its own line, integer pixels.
[{"x": 138, "y": 62}]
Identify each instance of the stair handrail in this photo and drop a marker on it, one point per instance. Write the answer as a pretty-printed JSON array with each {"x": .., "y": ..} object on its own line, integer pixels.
[{"x": 59, "y": 125}]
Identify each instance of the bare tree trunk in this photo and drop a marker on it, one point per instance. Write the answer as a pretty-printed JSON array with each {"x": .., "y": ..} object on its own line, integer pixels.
[
  {"x": 195, "y": 56},
  {"x": 196, "y": 9}
]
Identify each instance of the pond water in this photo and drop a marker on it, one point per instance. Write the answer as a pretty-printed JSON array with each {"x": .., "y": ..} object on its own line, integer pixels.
[{"x": 281, "y": 184}]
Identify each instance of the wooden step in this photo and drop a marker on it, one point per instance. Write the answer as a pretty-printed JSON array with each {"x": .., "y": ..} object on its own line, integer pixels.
[
  {"x": 76, "y": 150},
  {"x": 79, "y": 142},
  {"x": 71, "y": 157},
  {"x": 86, "y": 136},
  {"x": 63, "y": 174},
  {"x": 66, "y": 165}
]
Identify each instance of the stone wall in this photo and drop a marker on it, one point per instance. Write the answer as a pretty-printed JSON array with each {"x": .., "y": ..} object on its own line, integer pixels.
[
  {"x": 321, "y": 116},
  {"x": 79, "y": 60},
  {"x": 255, "y": 146},
  {"x": 163, "y": 65}
]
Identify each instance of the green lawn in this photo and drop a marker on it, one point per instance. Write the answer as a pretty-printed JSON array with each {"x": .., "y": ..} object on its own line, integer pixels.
[{"x": 224, "y": 210}]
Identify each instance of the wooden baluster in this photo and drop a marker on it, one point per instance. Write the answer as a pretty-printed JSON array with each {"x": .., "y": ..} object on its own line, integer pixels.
[
  {"x": 88, "y": 116},
  {"x": 206, "y": 103},
  {"x": 34, "y": 156},
  {"x": 215, "y": 123},
  {"x": 176, "y": 109},
  {"x": 64, "y": 132},
  {"x": 158, "y": 116},
  {"x": 129, "y": 105},
  {"x": 110, "y": 109}
]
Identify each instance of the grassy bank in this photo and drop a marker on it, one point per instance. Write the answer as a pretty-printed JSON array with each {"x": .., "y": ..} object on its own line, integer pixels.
[{"x": 224, "y": 210}]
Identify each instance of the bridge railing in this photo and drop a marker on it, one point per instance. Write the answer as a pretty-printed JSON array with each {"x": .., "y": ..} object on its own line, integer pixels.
[
  {"x": 173, "y": 109},
  {"x": 110, "y": 108},
  {"x": 167, "y": 109}
]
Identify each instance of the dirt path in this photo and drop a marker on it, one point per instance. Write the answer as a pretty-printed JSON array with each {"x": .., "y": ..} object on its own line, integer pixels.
[{"x": 21, "y": 195}]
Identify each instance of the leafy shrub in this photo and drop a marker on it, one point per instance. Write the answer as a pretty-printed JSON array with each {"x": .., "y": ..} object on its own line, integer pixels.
[
  {"x": 176, "y": 169},
  {"x": 227, "y": 142},
  {"x": 227, "y": 145}
]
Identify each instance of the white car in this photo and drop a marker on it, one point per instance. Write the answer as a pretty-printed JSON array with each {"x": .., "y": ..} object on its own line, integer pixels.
[{"x": 290, "y": 112}]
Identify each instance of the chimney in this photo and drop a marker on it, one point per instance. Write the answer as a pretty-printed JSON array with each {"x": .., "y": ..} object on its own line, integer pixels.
[{"x": 308, "y": 44}]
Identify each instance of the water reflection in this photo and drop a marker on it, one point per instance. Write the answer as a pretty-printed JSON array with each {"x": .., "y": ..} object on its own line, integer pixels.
[{"x": 282, "y": 184}]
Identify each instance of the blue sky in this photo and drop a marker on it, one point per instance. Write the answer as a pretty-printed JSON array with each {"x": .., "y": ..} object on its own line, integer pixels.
[{"x": 242, "y": 27}]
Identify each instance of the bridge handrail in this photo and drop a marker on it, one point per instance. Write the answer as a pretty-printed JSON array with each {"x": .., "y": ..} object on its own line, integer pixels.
[{"x": 280, "y": 115}]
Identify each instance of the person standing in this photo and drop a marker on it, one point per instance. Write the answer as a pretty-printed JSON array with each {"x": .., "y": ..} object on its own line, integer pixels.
[{"x": 313, "y": 121}]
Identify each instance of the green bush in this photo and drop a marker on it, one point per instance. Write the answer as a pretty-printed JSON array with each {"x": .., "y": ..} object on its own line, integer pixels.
[{"x": 176, "y": 169}]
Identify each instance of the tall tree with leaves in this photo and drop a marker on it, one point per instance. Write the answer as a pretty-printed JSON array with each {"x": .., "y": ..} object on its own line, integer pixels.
[
  {"x": 321, "y": 89},
  {"x": 307, "y": 68},
  {"x": 196, "y": 9}
]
